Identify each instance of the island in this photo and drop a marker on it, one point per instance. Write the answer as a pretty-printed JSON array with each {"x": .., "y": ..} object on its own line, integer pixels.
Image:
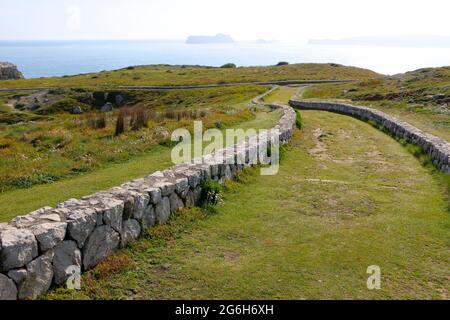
[{"x": 218, "y": 38}]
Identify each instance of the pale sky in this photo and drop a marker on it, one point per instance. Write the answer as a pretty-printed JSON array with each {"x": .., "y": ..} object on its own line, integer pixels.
[{"x": 283, "y": 20}]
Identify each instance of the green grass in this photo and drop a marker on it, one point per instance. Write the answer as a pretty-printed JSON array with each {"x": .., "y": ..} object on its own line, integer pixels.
[
  {"x": 193, "y": 75},
  {"x": 282, "y": 94},
  {"x": 64, "y": 145},
  {"x": 108, "y": 175},
  {"x": 406, "y": 97},
  {"x": 347, "y": 196}
]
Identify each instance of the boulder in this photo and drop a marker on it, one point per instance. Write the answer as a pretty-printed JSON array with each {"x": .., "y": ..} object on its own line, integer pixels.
[
  {"x": 155, "y": 195},
  {"x": 130, "y": 231},
  {"x": 182, "y": 187},
  {"x": 161, "y": 134},
  {"x": 49, "y": 235},
  {"x": 18, "y": 247},
  {"x": 166, "y": 187},
  {"x": 18, "y": 275},
  {"x": 76, "y": 110},
  {"x": 108, "y": 107},
  {"x": 80, "y": 224},
  {"x": 190, "y": 200},
  {"x": 112, "y": 213},
  {"x": 162, "y": 210},
  {"x": 39, "y": 277},
  {"x": 149, "y": 217},
  {"x": 120, "y": 101},
  {"x": 100, "y": 244},
  {"x": 8, "y": 290},
  {"x": 67, "y": 255},
  {"x": 176, "y": 203}
]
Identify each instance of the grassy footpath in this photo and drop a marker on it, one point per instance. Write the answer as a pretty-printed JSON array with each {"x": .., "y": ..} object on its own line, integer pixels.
[
  {"x": 347, "y": 196},
  {"x": 21, "y": 201}
]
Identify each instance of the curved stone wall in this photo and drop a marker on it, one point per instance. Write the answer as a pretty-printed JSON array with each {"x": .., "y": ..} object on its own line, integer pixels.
[
  {"x": 437, "y": 148},
  {"x": 38, "y": 249}
]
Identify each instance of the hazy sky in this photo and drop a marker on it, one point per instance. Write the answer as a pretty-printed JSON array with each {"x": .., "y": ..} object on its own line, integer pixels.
[{"x": 284, "y": 20}]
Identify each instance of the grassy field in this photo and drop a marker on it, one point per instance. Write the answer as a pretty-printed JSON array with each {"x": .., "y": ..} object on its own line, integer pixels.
[
  {"x": 309, "y": 232},
  {"x": 108, "y": 175},
  {"x": 64, "y": 145},
  {"x": 167, "y": 75},
  {"x": 412, "y": 97}
]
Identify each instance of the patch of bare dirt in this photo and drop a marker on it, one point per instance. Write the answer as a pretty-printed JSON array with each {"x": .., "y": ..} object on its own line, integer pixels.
[{"x": 319, "y": 151}]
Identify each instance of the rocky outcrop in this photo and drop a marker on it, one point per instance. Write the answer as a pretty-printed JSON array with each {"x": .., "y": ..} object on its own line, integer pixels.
[
  {"x": 9, "y": 71},
  {"x": 47, "y": 245},
  {"x": 438, "y": 149}
]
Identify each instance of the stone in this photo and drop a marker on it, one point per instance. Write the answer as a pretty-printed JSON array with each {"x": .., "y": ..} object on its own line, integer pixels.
[
  {"x": 161, "y": 134},
  {"x": 39, "y": 277},
  {"x": 113, "y": 213},
  {"x": 182, "y": 187},
  {"x": 162, "y": 210},
  {"x": 18, "y": 247},
  {"x": 166, "y": 187},
  {"x": 141, "y": 201},
  {"x": 108, "y": 107},
  {"x": 197, "y": 195},
  {"x": 190, "y": 200},
  {"x": 149, "y": 217},
  {"x": 67, "y": 255},
  {"x": 76, "y": 110},
  {"x": 8, "y": 290},
  {"x": 155, "y": 195},
  {"x": 100, "y": 244},
  {"x": 176, "y": 203},
  {"x": 120, "y": 101},
  {"x": 130, "y": 231},
  {"x": 18, "y": 275},
  {"x": 49, "y": 235},
  {"x": 70, "y": 203},
  {"x": 80, "y": 225}
]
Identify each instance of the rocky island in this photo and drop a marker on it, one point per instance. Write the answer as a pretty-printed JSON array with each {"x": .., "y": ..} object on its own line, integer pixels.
[
  {"x": 218, "y": 38},
  {"x": 9, "y": 71}
]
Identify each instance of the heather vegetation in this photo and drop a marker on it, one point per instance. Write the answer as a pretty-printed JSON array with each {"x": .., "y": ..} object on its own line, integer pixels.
[{"x": 62, "y": 144}]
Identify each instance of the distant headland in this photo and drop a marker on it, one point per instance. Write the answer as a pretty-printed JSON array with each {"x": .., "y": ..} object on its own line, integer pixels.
[{"x": 218, "y": 38}]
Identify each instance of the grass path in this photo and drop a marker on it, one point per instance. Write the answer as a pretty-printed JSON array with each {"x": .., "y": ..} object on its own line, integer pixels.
[
  {"x": 347, "y": 196},
  {"x": 21, "y": 201}
]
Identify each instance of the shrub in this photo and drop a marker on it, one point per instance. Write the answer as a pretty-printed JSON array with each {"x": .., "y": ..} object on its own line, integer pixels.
[
  {"x": 282, "y": 63},
  {"x": 139, "y": 118},
  {"x": 65, "y": 105},
  {"x": 211, "y": 193},
  {"x": 298, "y": 119},
  {"x": 229, "y": 66},
  {"x": 120, "y": 123},
  {"x": 100, "y": 122}
]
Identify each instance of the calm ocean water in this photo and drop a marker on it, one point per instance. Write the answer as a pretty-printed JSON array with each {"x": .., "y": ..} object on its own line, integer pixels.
[{"x": 57, "y": 58}]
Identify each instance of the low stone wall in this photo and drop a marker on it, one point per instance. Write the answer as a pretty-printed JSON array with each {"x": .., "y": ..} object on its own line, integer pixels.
[
  {"x": 437, "y": 148},
  {"x": 38, "y": 249}
]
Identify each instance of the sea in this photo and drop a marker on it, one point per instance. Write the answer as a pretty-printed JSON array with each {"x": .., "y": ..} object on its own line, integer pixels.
[{"x": 58, "y": 58}]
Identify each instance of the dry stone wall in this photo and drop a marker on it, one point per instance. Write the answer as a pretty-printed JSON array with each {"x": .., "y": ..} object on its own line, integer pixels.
[
  {"x": 438, "y": 149},
  {"x": 39, "y": 249}
]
